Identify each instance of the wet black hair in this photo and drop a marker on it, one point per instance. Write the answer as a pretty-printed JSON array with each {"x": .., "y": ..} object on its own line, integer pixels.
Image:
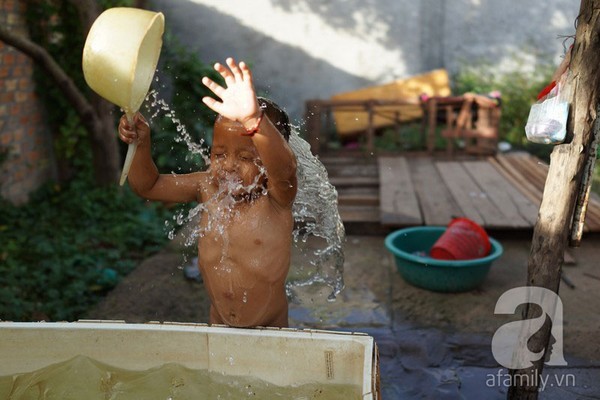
[{"x": 277, "y": 116}]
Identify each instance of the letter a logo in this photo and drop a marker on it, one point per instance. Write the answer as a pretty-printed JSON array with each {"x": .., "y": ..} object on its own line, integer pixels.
[{"x": 509, "y": 343}]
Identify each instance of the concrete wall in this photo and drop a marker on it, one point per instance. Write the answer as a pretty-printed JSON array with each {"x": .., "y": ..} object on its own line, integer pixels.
[
  {"x": 23, "y": 131},
  {"x": 303, "y": 49}
]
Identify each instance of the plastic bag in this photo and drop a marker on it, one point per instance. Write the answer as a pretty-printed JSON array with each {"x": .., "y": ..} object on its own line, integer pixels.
[{"x": 547, "y": 121}]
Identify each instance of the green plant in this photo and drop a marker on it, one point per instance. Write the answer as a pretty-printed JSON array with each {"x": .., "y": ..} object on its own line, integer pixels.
[{"x": 64, "y": 250}]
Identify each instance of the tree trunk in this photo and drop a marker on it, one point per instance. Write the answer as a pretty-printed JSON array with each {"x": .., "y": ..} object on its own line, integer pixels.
[
  {"x": 105, "y": 146},
  {"x": 96, "y": 115},
  {"x": 562, "y": 185},
  {"x": 104, "y": 142}
]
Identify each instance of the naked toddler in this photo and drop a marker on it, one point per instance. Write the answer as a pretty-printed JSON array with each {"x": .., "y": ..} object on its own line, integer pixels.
[{"x": 247, "y": 192}]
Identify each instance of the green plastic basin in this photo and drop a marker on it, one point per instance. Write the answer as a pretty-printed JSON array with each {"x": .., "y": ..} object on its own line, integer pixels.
[{"x": 433, "y": 274}]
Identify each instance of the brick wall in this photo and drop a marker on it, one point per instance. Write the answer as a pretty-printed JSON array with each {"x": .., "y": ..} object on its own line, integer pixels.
[{"x": 23, "y": 131}]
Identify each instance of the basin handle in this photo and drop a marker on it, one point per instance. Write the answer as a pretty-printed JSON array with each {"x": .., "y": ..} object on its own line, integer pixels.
[{"x": 130, "y": 153}]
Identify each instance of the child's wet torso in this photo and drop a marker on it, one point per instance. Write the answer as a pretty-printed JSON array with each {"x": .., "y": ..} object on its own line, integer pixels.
[{"x": 244, "y": 257}]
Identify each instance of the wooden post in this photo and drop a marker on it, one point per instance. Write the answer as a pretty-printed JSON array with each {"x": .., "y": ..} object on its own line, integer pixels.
[
  {"x": 328, "y": 124},
  {"x": 567, "y": 164},
  {"x": 398, "y": 130},
  {"x": 585, "y": 188},
  {"x": 371, "y": 127},
  {"x": 312, "y": 117},
  {"x": 432, "y": 114},
  {"x": 451, "y": 126}
]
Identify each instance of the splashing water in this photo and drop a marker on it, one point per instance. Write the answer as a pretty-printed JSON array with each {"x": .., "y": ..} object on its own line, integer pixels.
[
  {"x": 316, "y": 214},
  {"x": 155, "y": 105},
  {"x": 315, "y": 211}
]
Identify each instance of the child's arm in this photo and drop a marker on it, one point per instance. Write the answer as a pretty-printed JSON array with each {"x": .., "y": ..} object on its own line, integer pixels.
[
  {"x": 279, "y": 161},
  {"x": 239, "y": 103},
  {"x": 143, "y": 176}
]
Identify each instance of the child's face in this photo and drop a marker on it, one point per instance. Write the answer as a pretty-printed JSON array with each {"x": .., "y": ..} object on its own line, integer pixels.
[{"x": 235, "y": 163}]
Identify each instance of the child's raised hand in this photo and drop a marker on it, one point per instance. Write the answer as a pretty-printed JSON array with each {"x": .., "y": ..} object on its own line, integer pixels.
[
  {"x": 140, "y": 131},
  {"x": 238, "y": 99}
]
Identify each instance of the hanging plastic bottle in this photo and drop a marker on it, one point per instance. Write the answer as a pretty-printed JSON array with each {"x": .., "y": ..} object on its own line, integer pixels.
[{"x": 547, "y": 121}]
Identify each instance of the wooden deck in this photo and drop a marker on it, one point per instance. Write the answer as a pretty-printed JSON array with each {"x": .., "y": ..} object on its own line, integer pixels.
[{"x": 500, "y": 192}]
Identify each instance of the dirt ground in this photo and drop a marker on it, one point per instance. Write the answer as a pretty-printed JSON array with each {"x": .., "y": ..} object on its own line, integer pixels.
[
  {"x": 420, "y": 334},
  {"x": 375, "y": 294}
]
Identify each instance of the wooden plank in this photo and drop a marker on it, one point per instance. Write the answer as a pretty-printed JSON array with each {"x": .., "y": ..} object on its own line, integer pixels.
[
  {"x": 529, "y": 212},
  {"x": 474, "y": 202},
  {"x": 358, "y": 199},
  {"x": 516, "y": 184},
  {"x": 504, "y": 165},
  {"x": 593, "y": 214},
  {"x": 516, "y": 170},
  {"x": 354, "y": 181},
  {"x": 534, "y": 171},
  {"x": 360, "y": 190},
  {"x": 359, "y": 213},
  {"x": 398, "y": 202},
  {"x": 594, "y": 206},
  {"x": 437, "y": 204},
  {"x": 539, "y": 170},
  {"x": 523, "y": 178},
  {"x": 346, "y": 160},
  {"x": 519, "y": 211},
  {"x": 595, "y": 197},
  {"x": 593, "y": 211},
  {"x": 352, "y": 170}
]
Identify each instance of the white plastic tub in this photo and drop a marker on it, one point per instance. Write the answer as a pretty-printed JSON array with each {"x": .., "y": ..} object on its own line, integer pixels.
[{"x": 280, "y": 356}]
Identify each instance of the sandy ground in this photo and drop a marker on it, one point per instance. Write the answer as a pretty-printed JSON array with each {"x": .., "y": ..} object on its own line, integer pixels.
[{"x": 432, "y": 345}]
